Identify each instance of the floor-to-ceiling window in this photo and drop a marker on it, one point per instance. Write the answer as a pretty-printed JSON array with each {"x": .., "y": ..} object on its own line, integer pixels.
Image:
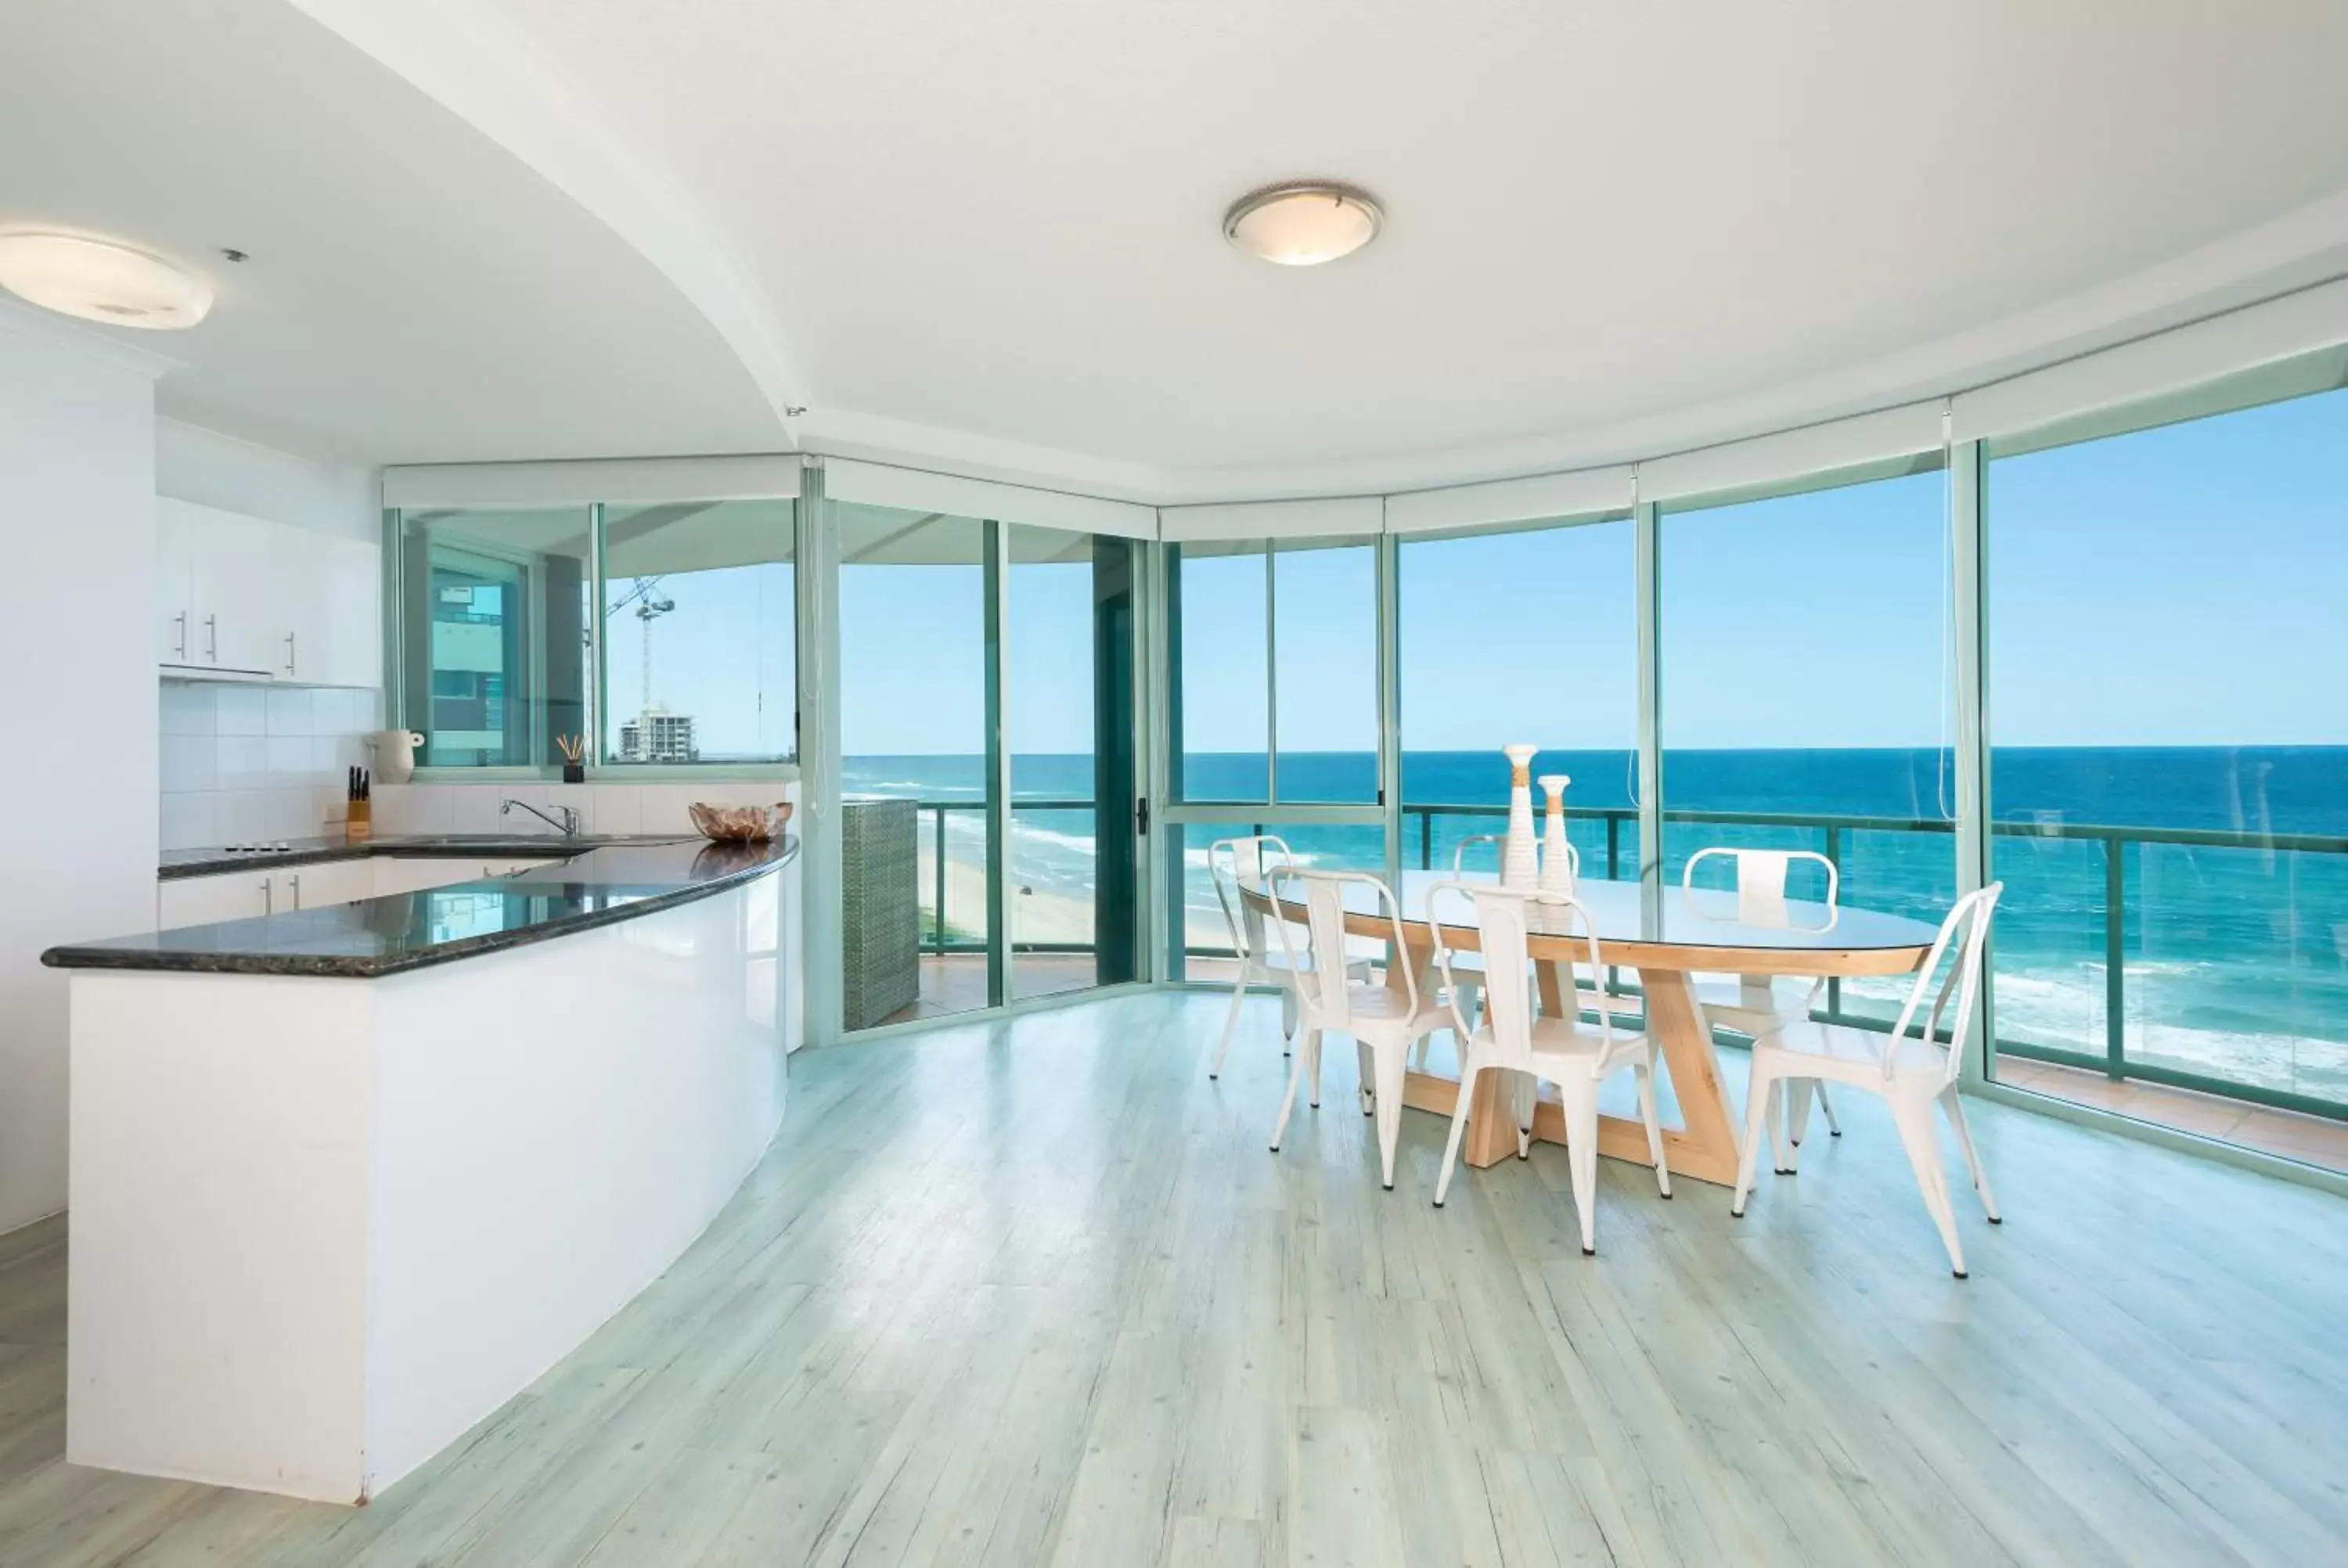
[
  {"x": 1273, "y": 715},
  {"x": 914, "y": 762},
  {"x": 494, "y": 632},
  {"x": 699, "y": 632},
  {"x": 1803, "y": 644},
  {"x": 2170, "y": 763},
  {"x": 1527, "y": 636}
]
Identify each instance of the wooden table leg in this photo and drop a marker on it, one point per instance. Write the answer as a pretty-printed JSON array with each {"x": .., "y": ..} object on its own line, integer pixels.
[{"x": 1703, "y": 1145}]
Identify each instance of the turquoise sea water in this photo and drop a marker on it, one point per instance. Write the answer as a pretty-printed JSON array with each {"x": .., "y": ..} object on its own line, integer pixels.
[{"x": 2235, "y": 954}]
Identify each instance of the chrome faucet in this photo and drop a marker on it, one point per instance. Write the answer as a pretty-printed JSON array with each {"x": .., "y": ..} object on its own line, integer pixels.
[{"x": 565, "y": 821}]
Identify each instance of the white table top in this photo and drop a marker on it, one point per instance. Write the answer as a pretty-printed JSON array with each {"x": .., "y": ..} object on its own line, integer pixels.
[{"x": 1626, "y": 913}]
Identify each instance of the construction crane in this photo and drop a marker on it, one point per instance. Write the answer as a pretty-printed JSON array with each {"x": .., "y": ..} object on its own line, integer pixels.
[{"x": 642, "y": 596}]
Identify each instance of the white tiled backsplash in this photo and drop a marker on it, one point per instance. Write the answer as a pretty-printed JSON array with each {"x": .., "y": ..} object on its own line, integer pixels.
[
  {"x": 245, "y": 763},
  {"x": 604, "y": 808}
]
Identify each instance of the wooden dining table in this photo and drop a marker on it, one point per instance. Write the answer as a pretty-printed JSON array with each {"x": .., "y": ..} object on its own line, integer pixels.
[{"x": 1669, "y": 935}]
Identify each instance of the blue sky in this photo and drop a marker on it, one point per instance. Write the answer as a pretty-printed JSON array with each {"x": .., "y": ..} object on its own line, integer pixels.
[{"x": 2178, "y": 586}]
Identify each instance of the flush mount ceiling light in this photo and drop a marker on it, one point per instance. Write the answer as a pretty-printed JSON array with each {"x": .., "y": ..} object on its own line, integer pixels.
[
  {"x": 100, "y": 280},
  {"x": 1303, "y": 223}
]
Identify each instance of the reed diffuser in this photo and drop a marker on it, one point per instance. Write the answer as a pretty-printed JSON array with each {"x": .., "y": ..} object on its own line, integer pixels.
[{"x": 574, "y": 757}]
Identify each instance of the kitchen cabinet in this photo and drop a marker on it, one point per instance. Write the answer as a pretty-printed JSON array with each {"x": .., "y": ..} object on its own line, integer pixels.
[
  {"x": 248, "y": 894},
  {"x": 208, "y": 900},
  {"x": 326, "y": 608},
  {"x": 402, "y": 875},
  {"x": 214, "y": 598},
  {"x": 324, "y": 882},
  {"x": 243, "y": 598}
]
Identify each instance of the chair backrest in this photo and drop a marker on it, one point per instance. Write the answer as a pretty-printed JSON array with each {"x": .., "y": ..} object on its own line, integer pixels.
[
  {"x": 1504, "y": 920},
  {"x": 1232, "y": 863},
  {"x": 1761, "y": 877},
  {"x": 1964, "y": 934},
  {"x": 1319, "y": 970},
  {"x": 1459, "y": 854}
]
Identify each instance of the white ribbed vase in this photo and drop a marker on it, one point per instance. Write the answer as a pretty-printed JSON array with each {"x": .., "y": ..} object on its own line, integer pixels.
[
  {"x": 1557, "y": 862},
  {"x": 1520, "y": 852}
]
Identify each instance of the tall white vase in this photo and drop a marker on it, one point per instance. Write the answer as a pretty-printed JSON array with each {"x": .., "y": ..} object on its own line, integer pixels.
[
  {"x": 1557, "y": 857},
  {"x": 1520, "y": 854}
]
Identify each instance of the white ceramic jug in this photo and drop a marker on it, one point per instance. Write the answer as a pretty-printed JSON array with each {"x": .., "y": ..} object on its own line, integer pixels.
[{"x": 394, "y": 754}]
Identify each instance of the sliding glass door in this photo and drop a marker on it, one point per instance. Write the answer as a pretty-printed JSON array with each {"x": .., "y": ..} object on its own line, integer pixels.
[{"x": 989, "y": 804}]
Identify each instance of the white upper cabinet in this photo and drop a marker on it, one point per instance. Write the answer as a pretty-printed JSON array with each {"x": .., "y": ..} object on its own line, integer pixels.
[
  {"x": 326, "y": 603},
  {"x": 243, "y": 597}
]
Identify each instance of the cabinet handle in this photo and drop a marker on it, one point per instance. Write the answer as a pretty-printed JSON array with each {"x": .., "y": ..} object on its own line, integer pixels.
[
  {"x": 211, "y": 638},
  {"x": 297, "y": 890},
  {"x": 289, "y": 654},
  {"x": 268, "y": 897},
  {"x": 182, "y": 648}
]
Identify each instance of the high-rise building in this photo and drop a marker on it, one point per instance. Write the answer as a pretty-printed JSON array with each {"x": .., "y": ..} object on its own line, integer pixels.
[{"x": 657, "y": 735}]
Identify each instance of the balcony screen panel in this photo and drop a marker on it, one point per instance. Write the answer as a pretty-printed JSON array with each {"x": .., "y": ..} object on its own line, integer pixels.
[
  {"x": 1325, "y": 673},
  {"x": 2169, "y": 729},
  {"x": 1804, "y": 694},
  {"x": 1223, "y": 720},
  {"x": 1528, "y": 637}
]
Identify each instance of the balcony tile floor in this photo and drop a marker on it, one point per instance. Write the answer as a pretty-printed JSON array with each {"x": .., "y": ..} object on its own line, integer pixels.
[{"x": 2313, "y": 1140}]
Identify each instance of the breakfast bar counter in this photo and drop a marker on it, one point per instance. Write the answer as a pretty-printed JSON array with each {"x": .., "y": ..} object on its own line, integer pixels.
[{"x": 346, "y": 1179}]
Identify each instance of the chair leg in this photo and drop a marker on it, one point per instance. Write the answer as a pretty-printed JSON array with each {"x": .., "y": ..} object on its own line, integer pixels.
[
  {"x": 1645, "y": 1073},
  {"x": 1524, "y": 1096},
  {"x": 1826, "y": 1109},
  {"x": 1469, "y": 1067},
  {"x": 1796, "y": 1092},
  {"x": 1288, "y": 1101},
  {"x": 1389, "y": 1062},
  {"x": 1954, "y": 1104},
  {"x": 1287, "y": 1018},
  {"x": 1312, "y": 1064},
  {"x": 1418, "y": 1049},
  {"x": 1913, "y": 1116},
  {"x": 1756, "y": 1119},
  {"x": 1365, "y": 1078},
  {"x": 1781, "y": 1153},
  {"x": 1230, "y": 1022},
  {"x": 1580, "y": 1102}
]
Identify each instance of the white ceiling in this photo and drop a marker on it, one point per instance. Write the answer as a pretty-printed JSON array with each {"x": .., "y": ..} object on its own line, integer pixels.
[
  {"x": 987, "y": 235},
  {"x": 415, "y": 292}
]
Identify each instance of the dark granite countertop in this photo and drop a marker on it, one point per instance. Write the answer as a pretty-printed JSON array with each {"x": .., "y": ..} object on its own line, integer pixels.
[{"x": 607, "y": 880}]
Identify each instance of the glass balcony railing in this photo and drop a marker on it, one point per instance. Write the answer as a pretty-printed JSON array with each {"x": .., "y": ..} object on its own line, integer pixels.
[{"x": 2202, "y": 959}]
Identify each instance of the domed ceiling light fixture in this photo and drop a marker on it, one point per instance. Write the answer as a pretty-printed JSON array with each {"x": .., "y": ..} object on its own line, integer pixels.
[
  {"x": 1303, "y": 222},
  {"x": 100, "y": 280}
]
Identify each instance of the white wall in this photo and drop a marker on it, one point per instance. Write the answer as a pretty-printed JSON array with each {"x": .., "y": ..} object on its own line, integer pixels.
[
  {"x": 242, "y": 762},
  {"x": 192, "y": 464},
  {"x": 78, "y": 829}
]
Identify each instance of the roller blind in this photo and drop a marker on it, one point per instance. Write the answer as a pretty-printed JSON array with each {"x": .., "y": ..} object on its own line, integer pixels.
[
  {"x": 1773, "y": 462},
  {"x": 569, "y": 484},
  {"x": 1581, "y": 493},
  {"x": 917, "y": 490},
  {"x": 1330, "y": 516},
  {"x": 2152, "y": 367}
]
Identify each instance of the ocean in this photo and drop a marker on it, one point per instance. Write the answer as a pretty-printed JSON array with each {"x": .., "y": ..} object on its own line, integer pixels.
[{"x": 2235, "y": 954}]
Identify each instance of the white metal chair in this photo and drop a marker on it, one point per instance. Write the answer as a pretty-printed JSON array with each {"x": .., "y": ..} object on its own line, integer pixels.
[
  {"x": 1576, "y": 1056},
  {"x": 1911, "y": 1072},
  {"x": 1755, "y": 1005},
  {"x": 1231, "y": 863},
  {"x": 1384, "y": 1022},
  {"x": 1467, "y": 969}
]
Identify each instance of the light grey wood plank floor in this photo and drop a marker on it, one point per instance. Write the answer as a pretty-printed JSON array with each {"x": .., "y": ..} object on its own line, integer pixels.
[{"x": 1036, "y": 1292}]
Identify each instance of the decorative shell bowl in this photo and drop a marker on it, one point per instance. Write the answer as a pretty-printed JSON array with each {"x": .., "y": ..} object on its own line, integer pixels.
[{"x": 741, "y": 823}]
